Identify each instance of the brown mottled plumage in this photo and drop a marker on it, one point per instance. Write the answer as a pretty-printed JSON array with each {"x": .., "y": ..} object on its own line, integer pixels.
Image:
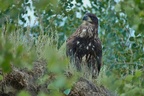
[{"x": 84, "y": 44}]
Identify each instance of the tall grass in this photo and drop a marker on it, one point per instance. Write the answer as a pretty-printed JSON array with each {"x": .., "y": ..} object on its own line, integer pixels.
[{"x": 20, "y": 49}]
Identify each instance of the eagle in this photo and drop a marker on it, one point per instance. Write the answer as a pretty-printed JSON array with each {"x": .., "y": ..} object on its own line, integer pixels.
[{"x": 84, "y": 45}]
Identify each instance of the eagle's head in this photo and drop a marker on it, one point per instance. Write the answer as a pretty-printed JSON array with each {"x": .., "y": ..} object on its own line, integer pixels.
[
  {"x": 89, "y": 26},
  {"x": 90, "y": 18}
]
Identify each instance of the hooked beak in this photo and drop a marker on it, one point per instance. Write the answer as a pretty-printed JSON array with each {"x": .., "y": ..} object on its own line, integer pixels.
[{"x": 85, "y": 18}]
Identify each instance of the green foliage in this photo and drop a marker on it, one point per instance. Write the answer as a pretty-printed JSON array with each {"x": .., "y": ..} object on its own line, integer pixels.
[
  {"x": 10, "y": 10},
  {"x": 1, "y": 77},
  {"x": 120, "y": 29},
  {"x": 67, "y": 91},
  {"x": 57, "y": 66},
  {"x": 21, "y": 51},
  {"x": 42, "y": 94},
  {"x": 130, "y": 84},
  {"x": 13, "y": 51},
  {"x": 6, "y": 57},
  {"x": 23, "y": 93}
]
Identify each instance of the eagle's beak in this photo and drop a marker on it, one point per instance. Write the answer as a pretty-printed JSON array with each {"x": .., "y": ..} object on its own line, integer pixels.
[{"x": 85, "y": 18}]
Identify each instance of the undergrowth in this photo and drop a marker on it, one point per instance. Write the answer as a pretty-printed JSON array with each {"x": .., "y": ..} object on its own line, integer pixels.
[{"x": 20, "y": 48}]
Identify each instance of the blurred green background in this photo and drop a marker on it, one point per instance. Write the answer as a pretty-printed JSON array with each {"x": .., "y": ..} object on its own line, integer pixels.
[{"x": 121, "y": 30}]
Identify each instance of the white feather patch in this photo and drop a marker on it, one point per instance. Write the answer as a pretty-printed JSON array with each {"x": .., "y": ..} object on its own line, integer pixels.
[
  {"x": 87, "y": 47},
  {"x": 83, "y": 33},
  {"x": 78, "y": 42}
]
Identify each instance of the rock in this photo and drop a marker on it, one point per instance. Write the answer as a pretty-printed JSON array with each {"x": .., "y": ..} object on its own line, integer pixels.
[{"x": 86, "y": 88}]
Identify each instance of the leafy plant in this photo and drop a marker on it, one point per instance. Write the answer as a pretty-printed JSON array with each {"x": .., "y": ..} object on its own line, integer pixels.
[{"x": 120, "y": 29}]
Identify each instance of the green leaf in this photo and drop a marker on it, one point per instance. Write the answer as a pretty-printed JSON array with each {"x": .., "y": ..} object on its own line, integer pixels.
[
  {"x": 129, "y": 78},
  {"x": 6, "y": 63},
  {"x": 140, "y": 27},
  {"x": 117, "y": 7},
  {"x": 133, "y": 92},
  {"x": 1, "y": 77},
  {"x": 59, "y": 83},
  {"x": 138, "y": 73},
  {"x": 67, "y": 91},
  {"x": 128, "y": 86},
  {"x": 134, "y": 46},
  {"x": 42, "y": 94},
  {"x": 19, "y": 50},
  {"x": 131, "y": 38},
  {"x": 23, "y": 93}
]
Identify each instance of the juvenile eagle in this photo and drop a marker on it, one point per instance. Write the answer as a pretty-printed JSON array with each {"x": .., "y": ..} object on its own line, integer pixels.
[{"x": 85, "y": 44}]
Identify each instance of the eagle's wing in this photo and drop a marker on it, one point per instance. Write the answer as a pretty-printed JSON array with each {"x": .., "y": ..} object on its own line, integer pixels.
[
  {"x": 98, "y": 52},
  {"x": 71, "y": 42}
]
